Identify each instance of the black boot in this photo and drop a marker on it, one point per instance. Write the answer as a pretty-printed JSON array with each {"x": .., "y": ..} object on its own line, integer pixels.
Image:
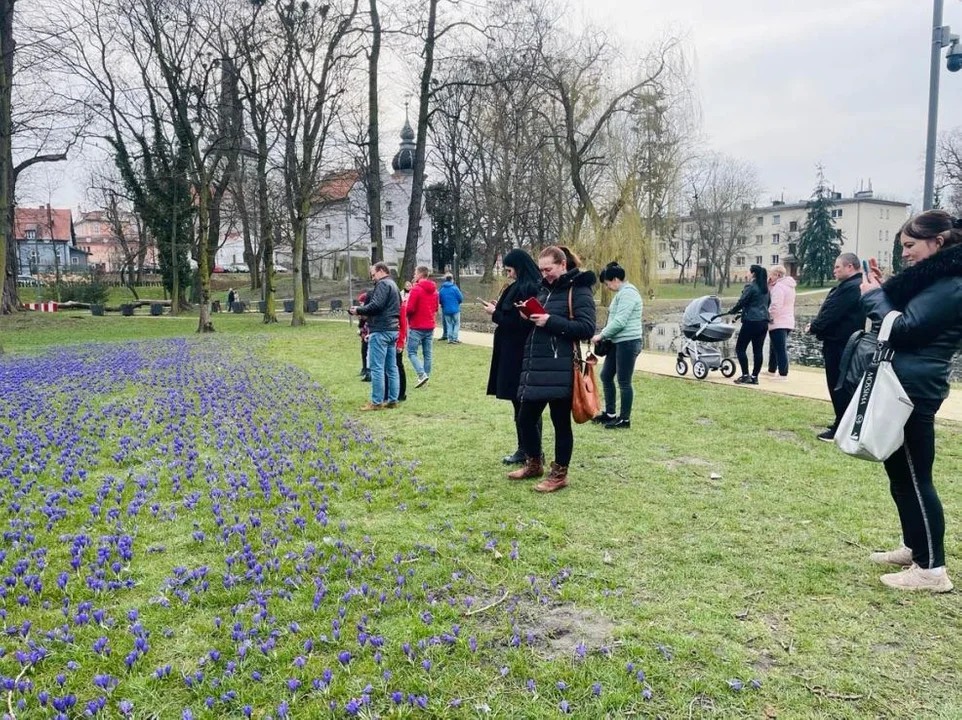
[{"x": 515, "y": 458}]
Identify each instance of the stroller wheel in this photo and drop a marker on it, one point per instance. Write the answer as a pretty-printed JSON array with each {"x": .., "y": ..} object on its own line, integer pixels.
[
  {"x": 699, "y": 370},
  {"x": 728, "y": 367},
  {"x": 681, "y": 367}
]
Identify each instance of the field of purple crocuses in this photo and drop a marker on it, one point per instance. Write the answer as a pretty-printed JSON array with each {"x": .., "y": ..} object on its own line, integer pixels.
[{"x": 189, "y": 532}]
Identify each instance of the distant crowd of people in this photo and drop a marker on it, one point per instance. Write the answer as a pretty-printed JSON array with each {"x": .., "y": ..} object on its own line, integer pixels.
[{"x": 534, "y": 354}]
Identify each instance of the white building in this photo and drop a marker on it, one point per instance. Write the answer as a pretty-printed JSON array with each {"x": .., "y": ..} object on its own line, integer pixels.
[
  {"x": 867, "y": 226},
  {"x": 340, "y": 227}
]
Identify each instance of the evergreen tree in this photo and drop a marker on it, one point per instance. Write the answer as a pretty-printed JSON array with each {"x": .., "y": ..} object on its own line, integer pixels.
[
  {"x": 897, "y": 254},
  {"x": 819, "y": 243}
]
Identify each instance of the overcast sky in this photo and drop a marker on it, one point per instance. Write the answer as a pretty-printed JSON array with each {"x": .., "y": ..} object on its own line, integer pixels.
[
  {"x": 789, "y": 84},
  {"x": 783, "y": 84}
]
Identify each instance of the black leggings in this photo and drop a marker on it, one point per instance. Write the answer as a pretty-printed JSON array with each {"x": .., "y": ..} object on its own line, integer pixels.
[
  {"x": 910, "y": 481},
  {"x": 516, "y": 404},
  {"x": 529, "y": 417},
  {"x": 364, "y": 367},
  {"x": 400, "y": 371},
  {"x": 778, "y": 351},
  {"x": 753, "y": 331}
]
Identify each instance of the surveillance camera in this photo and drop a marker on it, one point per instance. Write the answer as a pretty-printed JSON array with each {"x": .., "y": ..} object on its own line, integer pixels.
[{"x": 953, "y": 58}]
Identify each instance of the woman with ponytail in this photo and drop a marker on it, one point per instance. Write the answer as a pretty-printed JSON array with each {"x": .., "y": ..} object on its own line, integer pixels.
[{"x": 928, "y": 293}]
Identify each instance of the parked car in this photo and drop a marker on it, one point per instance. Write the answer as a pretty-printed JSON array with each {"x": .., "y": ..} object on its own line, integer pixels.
[
  {"x": 29, "y": 281},
  {"x": 280, "y": 269},
  {"x": 219, "y": 269},
  {"x": 238, "y": 268}
]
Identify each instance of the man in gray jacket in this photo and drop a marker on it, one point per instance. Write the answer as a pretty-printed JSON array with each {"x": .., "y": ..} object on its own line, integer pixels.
[{"x": 383, "y": 312}]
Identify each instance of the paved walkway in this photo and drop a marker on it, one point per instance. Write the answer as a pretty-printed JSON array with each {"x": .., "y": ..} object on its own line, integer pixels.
[{"x": 802, "y": 381}]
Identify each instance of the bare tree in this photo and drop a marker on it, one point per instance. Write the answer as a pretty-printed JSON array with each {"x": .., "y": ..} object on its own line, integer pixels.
[
  {"x": 39, "y": 123},
  {"x": 319, "y": 46},
  {"x": 724, "y": 192},
  {"x": 372, "y": 184}
]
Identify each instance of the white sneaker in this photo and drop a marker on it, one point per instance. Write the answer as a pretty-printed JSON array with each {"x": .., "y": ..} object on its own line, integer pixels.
[
  {"x": 422, "y": 380},
  {"x": 779, "y": 378},
  {"x": 900, "y": 556},
  {"x": 915, "y": 578}
]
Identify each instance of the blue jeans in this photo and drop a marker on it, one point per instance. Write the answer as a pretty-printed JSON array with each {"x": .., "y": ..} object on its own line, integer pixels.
[
  {"x": 452, "y": 325},
  {"x": 420, "y": 339},
  {"x": 381, "y": 360},
  {"x": 620, "y": 361}
]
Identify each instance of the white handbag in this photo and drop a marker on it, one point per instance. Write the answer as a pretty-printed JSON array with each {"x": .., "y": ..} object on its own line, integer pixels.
[{"x": 873, "y": 426}]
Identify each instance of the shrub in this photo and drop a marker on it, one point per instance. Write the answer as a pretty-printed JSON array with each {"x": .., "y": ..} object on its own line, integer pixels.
[{"x": 92, "y": 292}]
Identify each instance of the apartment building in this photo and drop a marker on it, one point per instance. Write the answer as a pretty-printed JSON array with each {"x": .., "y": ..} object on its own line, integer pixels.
[{"x": 867, "y": 227}]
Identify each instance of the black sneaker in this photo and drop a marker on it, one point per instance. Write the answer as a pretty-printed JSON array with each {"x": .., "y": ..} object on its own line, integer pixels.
[
  {"x": 827, "y": 436},
  {"x": 366, "y": 377},
  {"x": 744, "y": 380},
  {"x": 618, "y": 424},
  {"x": 603, "y": 418},
  {"x": 753, "y": 379}
]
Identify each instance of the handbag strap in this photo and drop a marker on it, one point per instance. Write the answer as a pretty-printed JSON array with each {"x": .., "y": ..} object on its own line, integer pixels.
[
  {"x": 884, "y": 352},
  {"x": 571, "y": 316}
]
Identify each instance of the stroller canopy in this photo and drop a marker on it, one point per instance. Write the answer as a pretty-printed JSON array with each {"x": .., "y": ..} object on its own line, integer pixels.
[{"x": 700, "y": 311}]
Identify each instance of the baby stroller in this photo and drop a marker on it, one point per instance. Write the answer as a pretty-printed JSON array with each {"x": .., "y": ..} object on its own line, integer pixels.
[{"x": 701, "y": 332}]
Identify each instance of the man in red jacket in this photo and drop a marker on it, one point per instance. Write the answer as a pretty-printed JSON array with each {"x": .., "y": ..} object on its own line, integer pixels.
[{"x": 421, "y": 310}]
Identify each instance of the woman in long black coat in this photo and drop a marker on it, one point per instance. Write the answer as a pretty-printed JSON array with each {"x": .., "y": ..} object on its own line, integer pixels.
[
  {"x": 547, "y": 370},
  {"x": 511, "y": 334}
]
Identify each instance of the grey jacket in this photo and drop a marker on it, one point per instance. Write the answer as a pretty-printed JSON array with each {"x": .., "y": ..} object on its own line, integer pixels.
[{"x": 383, "y": 307}]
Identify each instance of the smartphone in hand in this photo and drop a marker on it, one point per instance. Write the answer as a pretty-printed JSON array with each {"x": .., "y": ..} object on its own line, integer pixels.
[{"x": 531, "y": 306}]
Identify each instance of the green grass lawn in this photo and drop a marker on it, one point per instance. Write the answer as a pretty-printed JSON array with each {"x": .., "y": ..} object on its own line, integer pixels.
[{"x": 715, "y": 541}]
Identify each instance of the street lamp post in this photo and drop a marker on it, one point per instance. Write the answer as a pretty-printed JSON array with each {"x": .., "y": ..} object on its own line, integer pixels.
[{"x": 941, "y": 38}]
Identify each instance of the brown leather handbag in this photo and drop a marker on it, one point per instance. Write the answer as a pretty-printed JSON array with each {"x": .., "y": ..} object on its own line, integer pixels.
[{"x": 584, "y": 393}]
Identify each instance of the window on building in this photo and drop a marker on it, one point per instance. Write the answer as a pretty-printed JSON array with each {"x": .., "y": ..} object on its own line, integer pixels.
[
  {"x": 759, "y": 220},
  {"x": 689, "y": 228},
  {"x": 880, "y": 236},
  {"x": 740, "y": 261},
  {"x": 776, "y": 238},
  {"x": 34, "y": 258},
  {"x": 774, "y": 259},
  {"x": 662, "y": 247},
  {"x": 886, "y": 236},
  {"x": 327, "y": 231},
  {"x": 881, "y": 214},
  {"x": 837, "y": 213},
  {"x": 389, "y": 232},
  {"x": 793, "y": 226},
  {"x": 741, "y": 241},
  {"x": 759, "y": 259},
  {"x": 661, "y": 331},
  {"x": 886, "y": 213},
  {"x": 776, "y": 219},
  {"x": 388, "y": 206},
  {"x": 30, "y": 234},
  {"x": 759, "y": 239},
  {"x": 74, "y": 261},
  {"x": 662, "y": 265}
]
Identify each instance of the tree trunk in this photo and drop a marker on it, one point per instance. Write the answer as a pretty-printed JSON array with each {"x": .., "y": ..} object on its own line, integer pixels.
[
  {"x": 374, "y": 153},
  {"x": 8, "y": 243},
  {"x": 417, "y": 182},
  {"x": 297, "y": 260},
  {"x": 266, "y": 227},
  {"x": 203, "y": 260}
]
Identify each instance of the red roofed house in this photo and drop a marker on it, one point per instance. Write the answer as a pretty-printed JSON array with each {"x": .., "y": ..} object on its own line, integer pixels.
[
  {"x": 340, "y": 225},
  {"x": 46, "y": 242},
  {"x": 95, "y": 234}
]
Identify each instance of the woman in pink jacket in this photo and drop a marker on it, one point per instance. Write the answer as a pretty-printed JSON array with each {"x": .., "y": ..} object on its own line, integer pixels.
[{"x": 782, "y": 315}]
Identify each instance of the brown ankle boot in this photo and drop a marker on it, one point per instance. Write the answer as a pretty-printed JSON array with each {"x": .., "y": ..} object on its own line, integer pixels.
[
  {"x": 532, "y": 468},
  {"x": 557, "y": 479}
]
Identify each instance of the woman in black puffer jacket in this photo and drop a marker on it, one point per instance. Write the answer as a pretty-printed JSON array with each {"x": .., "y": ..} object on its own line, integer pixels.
[
  {"x": 928, "y": 293},
  {"x": 547, "y": 370}
]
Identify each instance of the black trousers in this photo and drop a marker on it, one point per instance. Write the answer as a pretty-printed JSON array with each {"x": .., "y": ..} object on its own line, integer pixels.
[
  {"x": 832, "y": 352},
  {"x": 778, "y": 351},
  {"x": 752, "y": 331},
  {"x": 364, "y": 355},
  {"x": 402, "y": 393},
  {"x": 529, "y": 417},
  {"x": 910, "y": 482}
]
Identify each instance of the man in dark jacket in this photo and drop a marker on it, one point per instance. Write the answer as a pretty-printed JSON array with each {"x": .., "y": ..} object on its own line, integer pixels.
[
  {"x": 383, "y": 313},
  {"x": 840, "y": 315}
]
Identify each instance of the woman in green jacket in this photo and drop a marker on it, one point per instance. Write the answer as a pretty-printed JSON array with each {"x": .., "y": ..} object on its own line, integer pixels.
[{"x": 624, "y": 330}]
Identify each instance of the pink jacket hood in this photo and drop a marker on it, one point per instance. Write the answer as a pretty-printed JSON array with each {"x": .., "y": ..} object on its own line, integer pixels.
[{"x": 782, "y": 309}]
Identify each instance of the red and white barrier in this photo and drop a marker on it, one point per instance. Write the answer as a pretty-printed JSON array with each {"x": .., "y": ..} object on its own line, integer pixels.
[{"x": 43, "y": 307}]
